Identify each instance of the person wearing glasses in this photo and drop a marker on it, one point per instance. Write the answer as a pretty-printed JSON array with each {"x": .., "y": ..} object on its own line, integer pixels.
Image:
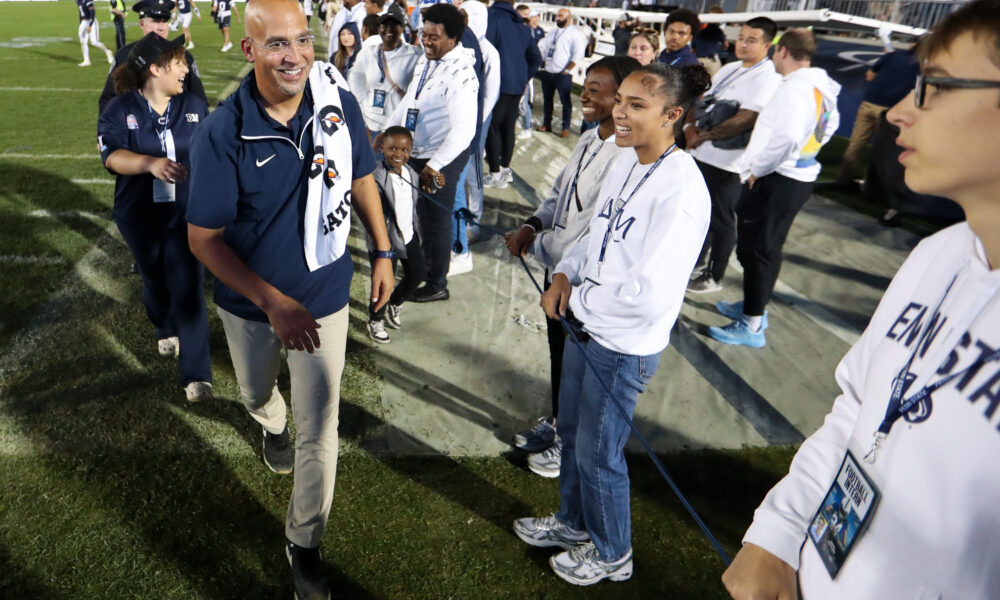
[
  {"x": 910, "y": 441},
  {"x": 276, "y": 170},
  {"x": 154, "y": 17}
]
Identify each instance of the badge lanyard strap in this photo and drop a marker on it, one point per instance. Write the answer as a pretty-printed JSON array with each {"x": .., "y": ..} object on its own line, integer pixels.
[
  {"x": 423, "y": 79},
  {"x": 737, "y": 74},
  {"x": 381, "y": 68},
  {"x": 166, "y": 141},
  {"x": 580, "y": 168},
  {"x": 620, "y": 204}
]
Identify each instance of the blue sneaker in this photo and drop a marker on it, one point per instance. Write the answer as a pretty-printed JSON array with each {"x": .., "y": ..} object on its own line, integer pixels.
[
  {"x": 538, "y": 438},
  {"x": 734, "y": 310},
  {"x": 738, "y": 333}
]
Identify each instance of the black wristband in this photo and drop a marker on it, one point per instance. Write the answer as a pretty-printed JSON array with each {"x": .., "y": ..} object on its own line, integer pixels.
[
  {"x": 384, "y": 254},
  {"x": 534, "y": 222}
]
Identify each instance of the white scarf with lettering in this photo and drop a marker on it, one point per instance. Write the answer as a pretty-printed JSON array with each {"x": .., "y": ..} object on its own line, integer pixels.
[{"x": 327, "y": 223}]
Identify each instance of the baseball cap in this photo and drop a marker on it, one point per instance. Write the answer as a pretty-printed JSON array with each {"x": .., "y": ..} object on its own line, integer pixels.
[
  {"x": 154, "y": 9},
  {"x": 394, "y": 13},
  {"x": 149, "y": 49}
]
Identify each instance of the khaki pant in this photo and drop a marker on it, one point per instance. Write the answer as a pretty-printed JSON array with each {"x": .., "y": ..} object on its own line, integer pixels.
[
  {"x": 865, "y": 124},
  {"x": 315, "y": 379}
]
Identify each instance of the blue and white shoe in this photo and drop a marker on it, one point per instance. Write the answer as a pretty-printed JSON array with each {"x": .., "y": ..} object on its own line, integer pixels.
[
  {"x": 538, "y": 438},
  {"x": 738, "y": 333},
  {"x": 734, "y": 310}
]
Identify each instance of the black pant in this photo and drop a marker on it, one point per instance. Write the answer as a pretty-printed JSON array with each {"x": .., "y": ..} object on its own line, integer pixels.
[
  {"x": 500, "y": 138},
  {"x": 119, "y": 32},
  {"x": 172, "y": 280},
  {"x": 557, "y": 343},
  {"x": 414, "y": 273},
  {"x": 724, "y": 188},
  {"x": 765, "y": 216},
  {"x": 552, "y": 83},
  {"x": 435, "y": 220}
]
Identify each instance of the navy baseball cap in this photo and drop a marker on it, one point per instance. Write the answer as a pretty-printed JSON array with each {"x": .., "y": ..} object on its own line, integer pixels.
[
  {"x": 149, "y": 49},
  {"x": 154, "y": 9},
  {"x": 394, "y": 13}
]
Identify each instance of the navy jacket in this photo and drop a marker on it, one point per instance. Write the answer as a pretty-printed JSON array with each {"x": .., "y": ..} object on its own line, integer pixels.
[
  {"x": 519, "y": 56},
  {"x": 678, "y": 58}
]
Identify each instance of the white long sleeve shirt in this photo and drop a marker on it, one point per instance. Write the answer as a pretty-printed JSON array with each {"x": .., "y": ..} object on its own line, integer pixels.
[
  {"x": 446, "y": 122},
  {"x": 561, "y": 46},
  {"x": 567, "y": 211},
  {"x": 365, "y": 78},
  {"x": 630, "y": 304},
  {"x": 798, "y": 120},
  {"x": 491, "y": 76},
  {"x": 936, "y": 530}
]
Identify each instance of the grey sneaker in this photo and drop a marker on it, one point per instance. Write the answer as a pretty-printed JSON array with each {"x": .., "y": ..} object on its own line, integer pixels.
[
  {"x": 169, "y": 346},
  {"x": 307, "y": 573},
  {"x": 583, "y": 566},
  {"x": 508, "y": 174},
  {"x": 376, "y": 331},
  {"x": 734, "y": 310},
  {"x": 704, "y": 284},
  {"x": 392, "y": 313},
  {"x": 538, "y": 438},
  {"x": 547, "y": 462},
  {"x": 549, "y": 532},
  {"x": 279, "y": 455},
  {"x": 196, "y": 391}
]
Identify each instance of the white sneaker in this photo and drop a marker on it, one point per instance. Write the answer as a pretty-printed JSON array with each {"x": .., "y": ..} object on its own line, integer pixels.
[
  {"x": 460, "y": 263},
  {"x": 376, "y": 331},
  {"x": 583, "y": 566},
  {"x": 704, "y": 284},
  {"x": 110, "y": 56},
  {"x": 85, "y": 63},
  {"x": 494, "y": 180},
  {"x": 190, "y": 46},
  {"x": 197, "y": 391},
  {"x": 226, "y": 47},
  {"x": 508, "y": 175},
  {"x": 524, "y": 135},
  {"x": 170, "y": 346},
  {"x": 547, "y": 462},
  {"x": 392, "y": 314},
  {"x": 549, "y": 532}
]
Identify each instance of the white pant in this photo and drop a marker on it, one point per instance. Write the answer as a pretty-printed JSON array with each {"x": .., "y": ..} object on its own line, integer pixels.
[
  {"x": 94, "y": 36},
  {"x": 184, "y": 20},
  {"x": 315, "y": 379}
]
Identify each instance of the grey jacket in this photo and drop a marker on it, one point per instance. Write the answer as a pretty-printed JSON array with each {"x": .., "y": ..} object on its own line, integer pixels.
[{"x": 387, "y": 194}]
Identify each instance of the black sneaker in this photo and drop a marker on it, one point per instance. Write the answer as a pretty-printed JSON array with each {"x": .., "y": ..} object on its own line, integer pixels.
[
  {"x": 279, "y": 455},
  {"x": 307, "y": 572},
  {"x": 428, "y": 294}
]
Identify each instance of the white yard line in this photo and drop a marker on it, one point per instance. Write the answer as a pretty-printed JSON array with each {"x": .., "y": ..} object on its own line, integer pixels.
[
  {"x": 92, "y": 181},
  {"x": 66, "y": 214},
  {"x": 33, "y": 156},
  {"x": 17, "y": 88},
  {"x": 31, "y": 260}
]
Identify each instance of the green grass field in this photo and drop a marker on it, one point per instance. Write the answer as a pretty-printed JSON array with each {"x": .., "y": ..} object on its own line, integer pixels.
[{"x": 113, "y": 486}]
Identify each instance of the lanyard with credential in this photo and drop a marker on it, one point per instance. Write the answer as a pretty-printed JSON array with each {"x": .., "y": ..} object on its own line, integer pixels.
[
  {"x": 730, "y": 78},
  {"x": 897, "y": 405},
  {"x": 166, "y": 138},
  {"x": 381, "y": 66},
  {"x": 580, "y": 168},
  {"x": 620, "y": 204},
  {"x": 423, "y": 79}
]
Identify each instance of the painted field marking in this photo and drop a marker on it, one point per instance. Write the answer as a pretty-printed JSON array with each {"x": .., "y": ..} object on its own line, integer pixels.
[
  {"x": 14, "y": 259},
  {"x": 48, "y": 89},
  {"x": 32, "y": 156}
]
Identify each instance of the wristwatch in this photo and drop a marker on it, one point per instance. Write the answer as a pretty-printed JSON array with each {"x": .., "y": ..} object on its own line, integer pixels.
[{"x": 384, "y": 254}]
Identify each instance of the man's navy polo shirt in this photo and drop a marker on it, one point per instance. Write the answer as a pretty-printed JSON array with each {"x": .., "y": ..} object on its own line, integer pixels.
[
  {"x": 678, "y": 58},
  {"x": 895, "y": 75},
  {"x": 250, "y": 176},
  {"x": 127, "y": 124}
]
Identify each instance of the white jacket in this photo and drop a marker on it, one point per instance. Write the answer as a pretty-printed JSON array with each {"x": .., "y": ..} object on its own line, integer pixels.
[
  {"x": 478, "y": 20},
  {"x": 800, "y": 117},
  {"x": 447, "y": 120},
  {"x": 562, "y": 221},
  {"x": 631, "y": 306},
  {"x": 364, "y": 78},
  {"x": 936, "y": 530}
]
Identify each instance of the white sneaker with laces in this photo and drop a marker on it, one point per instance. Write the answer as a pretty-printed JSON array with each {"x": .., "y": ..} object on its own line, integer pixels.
[
  {"x": 190, "y": 46},
  {"x": 549, "y": 532},
  {"x": 170, "y": 346},
  {"x": 110, "y": 56},
  {"x": 494, "y": 180},
  {"x": 508, "y": 174},
  {"x": 85, "y": 63},
  {"x": 196, "y": 391},
  {"x": 460, "y": 263},
  {"x": 524, "y": 135},
  {"x": 392, "y": 313},
  {"x": 583, "y": 566},
  {"x": 226, "y": 47},
  {"x": 547, "y": 462},
  {"x": 376, "y": 331}
]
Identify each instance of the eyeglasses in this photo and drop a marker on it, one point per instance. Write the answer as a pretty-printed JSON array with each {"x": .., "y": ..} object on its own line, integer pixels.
[
  {"x": 920, "y": 90},
  {"x": 281, "y": 46}
]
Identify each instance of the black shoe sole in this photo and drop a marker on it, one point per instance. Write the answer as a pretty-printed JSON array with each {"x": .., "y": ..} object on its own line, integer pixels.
[{"x": 435, "y": 297}]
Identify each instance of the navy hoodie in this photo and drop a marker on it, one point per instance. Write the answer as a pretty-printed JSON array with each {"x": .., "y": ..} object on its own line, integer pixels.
[{"x": 519, "y": 56}]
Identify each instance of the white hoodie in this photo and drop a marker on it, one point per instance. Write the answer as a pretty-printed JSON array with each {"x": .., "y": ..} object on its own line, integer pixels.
[
  {"x": 491, "y": 58},
  {"x": 936, "y": 530},
  {"x": 631, "y": 306},
  {"x": 446, "y": 122},
  {"x": 800, "y": 117}
]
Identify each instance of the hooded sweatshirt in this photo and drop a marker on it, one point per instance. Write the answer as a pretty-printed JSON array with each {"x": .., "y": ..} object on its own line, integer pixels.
[
  {"x": 478, "y": 21},
  {"x": 514, "y": 42},
  {"x": 800, "y": 117}
]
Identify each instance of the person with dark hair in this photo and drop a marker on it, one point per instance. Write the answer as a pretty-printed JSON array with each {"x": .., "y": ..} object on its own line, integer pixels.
[
  {"x": 560, "y": 220},
  {"x": 710, "y": 44},
  {"x": 89, "y": 32},
  {"x": 224, "y": 10},
  {"x": 909, "y": 440},
  {"x": 626, "y": 295},
  {"x": 717, "y": 131},
  {"x": 369, "y": 32},
  {"x": 348, "y": 48},
  {"x": 440, "y": 109},
  {"x": 622, "y": 33},
  {"x": 779, "y": 167},
  {"x": 277, "y": 170},
  {"x": 118, "y": 16},
  {"x": 681, "y": 26},
  {"x": 519, "y": 60},
  {"x": 562, "y": 49},
  {"x": 144, "y": 135},
  {"x": 351, "y": 11}
]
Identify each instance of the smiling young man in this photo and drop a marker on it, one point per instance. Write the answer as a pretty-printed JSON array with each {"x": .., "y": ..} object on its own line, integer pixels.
[
  {"x": 275, "y": 172},
  {"x": 911, "y": 441}
]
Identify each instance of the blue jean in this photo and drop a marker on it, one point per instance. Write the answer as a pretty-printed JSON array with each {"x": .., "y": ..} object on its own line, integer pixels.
[
  {"x": 593, "y": 478},
  {"x": 552, "y": 83},
  {"x": 469, "y": 195},
  {"x": 524, "y": 109}
]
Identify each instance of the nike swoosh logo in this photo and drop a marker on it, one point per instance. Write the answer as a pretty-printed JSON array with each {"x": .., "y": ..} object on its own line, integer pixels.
[{"x": 261, "y": 163}]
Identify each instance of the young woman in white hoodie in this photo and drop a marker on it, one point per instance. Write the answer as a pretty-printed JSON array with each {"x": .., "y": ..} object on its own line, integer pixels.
[
  {"x": 624, "y": 280},
  {"x": 929, "y": 462}
]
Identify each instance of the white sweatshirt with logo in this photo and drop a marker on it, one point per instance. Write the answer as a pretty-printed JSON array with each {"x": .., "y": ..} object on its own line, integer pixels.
[
  {"x": 789, "y": 131},
  {"x": 631, "y": 305},
  {"x": 936, "y": 530}
]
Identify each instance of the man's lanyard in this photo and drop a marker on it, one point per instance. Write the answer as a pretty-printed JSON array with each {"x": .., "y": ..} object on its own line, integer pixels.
[
  {"x": 620, "y": 204},
  {"x": 730, "y": 78},
  {"x": 580, "y": 168},
  {"x": 381, "y": 67},
  {"x": 423, "y": 79},
  {"x": 166, "y": 138},
  {"x": 898, "y": 406}
]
